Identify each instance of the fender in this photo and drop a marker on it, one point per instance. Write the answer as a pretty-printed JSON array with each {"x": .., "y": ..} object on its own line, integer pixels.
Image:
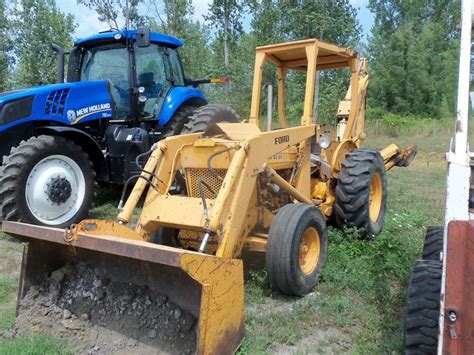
[
  {"x": 90, "y": 146},
  {"x": 178, "y": 96}
]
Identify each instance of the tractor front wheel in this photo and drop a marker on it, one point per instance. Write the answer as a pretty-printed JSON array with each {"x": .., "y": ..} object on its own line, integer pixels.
[
  {"x": 361, "y": 192},
  {"x": 48, "y": 181},
  {"x": 296, "y": 249}
]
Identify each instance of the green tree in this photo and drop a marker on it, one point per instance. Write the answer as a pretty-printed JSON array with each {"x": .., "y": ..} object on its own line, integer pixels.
[
  {"x": 175, "y": 18},
  {"x": 38, "y": 24},
  {"x": 413, "y": 56},
  {"x": 5, "y": 47},
  {"x": 334, "y": 21},
  {"x": 226, "y": 17},
  {"x": 110, "y": 11},
  {"x": 268, "y": 21}
]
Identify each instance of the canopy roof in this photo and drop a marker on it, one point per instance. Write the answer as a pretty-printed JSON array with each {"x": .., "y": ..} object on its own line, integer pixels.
[{"x": 292, "y": 55}]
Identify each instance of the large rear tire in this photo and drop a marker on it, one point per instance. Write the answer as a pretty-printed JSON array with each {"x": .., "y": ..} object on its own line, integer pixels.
[
  {"x": 175, "y": 125},
  {"x": 361, "y": 192},
  {"x": 207, "y": 115},
  {"x": 296, "y": 249},
  {"x": 433, "y": 246},
  {"x": 423, "y": 302},
  {"x": 48, "y": 181}
]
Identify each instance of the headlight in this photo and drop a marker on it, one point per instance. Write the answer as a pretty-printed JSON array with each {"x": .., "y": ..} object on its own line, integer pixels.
[{"x": 325, "y": 141}]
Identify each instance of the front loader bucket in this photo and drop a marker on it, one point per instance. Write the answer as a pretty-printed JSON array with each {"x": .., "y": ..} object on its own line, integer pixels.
[{"x": 208, "y": 287}]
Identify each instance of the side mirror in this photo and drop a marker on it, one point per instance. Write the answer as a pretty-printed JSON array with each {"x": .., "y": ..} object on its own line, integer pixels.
[{"x": 143, "y": 39}]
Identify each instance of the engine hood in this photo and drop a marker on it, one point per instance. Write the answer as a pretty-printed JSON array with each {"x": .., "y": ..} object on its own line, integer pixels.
[
  {"x": 68, "y": 103},
  {"x": 34, "y": 90},
  {"x": 11, "y": 92}
]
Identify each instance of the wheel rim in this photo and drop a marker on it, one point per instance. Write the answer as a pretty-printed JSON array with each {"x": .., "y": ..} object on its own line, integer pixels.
[
  {"x": 55, "y": 190},
  {"x": 375, "y": 199},
  {"x": 310, "y": 248}
]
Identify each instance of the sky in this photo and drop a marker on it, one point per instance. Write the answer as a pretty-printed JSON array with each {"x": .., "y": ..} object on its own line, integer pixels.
[{"x": 88, "y": 23}]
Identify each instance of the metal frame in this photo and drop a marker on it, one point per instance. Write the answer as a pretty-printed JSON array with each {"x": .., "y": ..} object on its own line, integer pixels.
[{"x": 456, "y": 212}]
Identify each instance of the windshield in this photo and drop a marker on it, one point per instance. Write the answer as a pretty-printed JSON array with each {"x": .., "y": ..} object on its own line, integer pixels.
[{"x": 109, "y": 62}]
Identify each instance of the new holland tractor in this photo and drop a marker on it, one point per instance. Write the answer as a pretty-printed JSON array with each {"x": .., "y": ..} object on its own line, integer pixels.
[{"x": 125, "y": 90}]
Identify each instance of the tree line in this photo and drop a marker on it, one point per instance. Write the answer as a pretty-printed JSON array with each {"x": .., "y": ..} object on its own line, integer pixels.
[{"x": 412, "y": 47}]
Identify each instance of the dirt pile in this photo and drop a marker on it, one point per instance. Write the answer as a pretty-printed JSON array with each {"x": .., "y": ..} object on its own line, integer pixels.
[{"x": 97, "y": 315}]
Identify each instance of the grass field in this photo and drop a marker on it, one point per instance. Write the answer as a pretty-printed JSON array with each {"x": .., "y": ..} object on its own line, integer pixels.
[{"x": 358, "y": 307}]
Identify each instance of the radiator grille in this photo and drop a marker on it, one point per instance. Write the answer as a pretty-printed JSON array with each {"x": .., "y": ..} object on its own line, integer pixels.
[
  {"x": 208, "y": 178},
  {"x": 55, "y": 102}
]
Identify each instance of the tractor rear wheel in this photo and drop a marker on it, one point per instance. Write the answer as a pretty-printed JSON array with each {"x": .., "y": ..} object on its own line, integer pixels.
[
  {"x": 206, "y": 115},
  {"x": 361, "y": 192},
  {"x": 48, "y": 181},
  {"x": 175, "y": 125},
  {"x": 423, "y": 300},
  {"x": 433, "y": 245},
  {"x": 296, "y": 249}
]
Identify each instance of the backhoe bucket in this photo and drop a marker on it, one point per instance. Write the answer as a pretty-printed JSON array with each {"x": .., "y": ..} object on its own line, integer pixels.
[{"x": 208, "y": 287}]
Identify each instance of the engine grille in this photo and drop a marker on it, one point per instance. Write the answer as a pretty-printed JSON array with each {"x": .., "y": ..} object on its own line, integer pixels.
[
  {"x": 193, "y": 175},
  {"x": 55, "y": 102}
]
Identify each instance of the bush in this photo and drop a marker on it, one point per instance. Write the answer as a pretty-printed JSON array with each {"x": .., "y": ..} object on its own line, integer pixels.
[
  {"x": 374, "y": 113},
  {"x": 379, "y": 122}
]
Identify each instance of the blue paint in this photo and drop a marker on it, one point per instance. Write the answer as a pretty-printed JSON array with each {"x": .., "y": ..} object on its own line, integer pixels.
[
  {"x": 77, "y": 96},
  {"x": 81, "y": 97},
  {"x": 132, "y": 34},
  {"x": 175, "y": 98},
  {"x": 71, "y": 103}
]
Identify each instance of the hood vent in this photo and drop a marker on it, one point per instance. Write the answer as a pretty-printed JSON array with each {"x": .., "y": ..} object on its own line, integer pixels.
[{"x": 55, "y": 102}]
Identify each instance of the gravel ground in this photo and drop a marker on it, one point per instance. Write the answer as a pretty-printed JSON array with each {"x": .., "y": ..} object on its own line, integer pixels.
[{"x": 96, "y": 315}]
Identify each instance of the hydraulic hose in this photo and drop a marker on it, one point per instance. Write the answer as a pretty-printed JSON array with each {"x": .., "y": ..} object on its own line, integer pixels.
[
  {"x": 125, "y": 187},
  {"x": 212, "y": 156}
]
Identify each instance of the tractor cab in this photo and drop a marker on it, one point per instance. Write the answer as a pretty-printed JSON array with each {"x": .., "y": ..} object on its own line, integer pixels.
[{"x": 140, "y": 67}]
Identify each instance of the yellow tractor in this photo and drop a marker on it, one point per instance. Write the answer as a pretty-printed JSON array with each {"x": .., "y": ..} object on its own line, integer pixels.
[{"x": 241, "y": 189}]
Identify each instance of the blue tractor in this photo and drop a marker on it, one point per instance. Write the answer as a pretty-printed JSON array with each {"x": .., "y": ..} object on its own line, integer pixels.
[{"x": 124, "y": 91}]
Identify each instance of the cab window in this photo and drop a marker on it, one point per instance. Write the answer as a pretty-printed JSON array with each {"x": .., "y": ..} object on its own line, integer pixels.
[
  {"x": 152, "y": 77},
  {"x": 110, "y": 63},
  {"x": 176, "y": 68}
]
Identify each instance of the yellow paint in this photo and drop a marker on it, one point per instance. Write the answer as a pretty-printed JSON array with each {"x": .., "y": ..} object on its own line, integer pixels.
[
  {"x": 310, "y": 248},
  {"x": 221, "y": 321},
  {"x": 319, "y": 190},
  {"x": 246, "y": 165},
  {"x": 375, "y": 199},
  {"x": 98, "y": 227}
]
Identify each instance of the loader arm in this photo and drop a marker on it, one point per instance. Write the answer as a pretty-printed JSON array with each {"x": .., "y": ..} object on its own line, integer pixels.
[{"x": 249, "y": 159}]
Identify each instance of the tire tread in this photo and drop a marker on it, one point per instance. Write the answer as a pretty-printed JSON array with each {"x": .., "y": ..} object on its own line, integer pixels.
[
  {"x": 12, "y": 169},
  {"x": 422, "y": 311}
]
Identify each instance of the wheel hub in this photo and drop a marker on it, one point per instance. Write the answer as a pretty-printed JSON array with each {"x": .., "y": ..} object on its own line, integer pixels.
[
  {"x": 375, "y": 197},
  {"x": 59, "y": 190},
  {"x": 309, "y": 251},
  {"x": 55, "y": 189}
]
